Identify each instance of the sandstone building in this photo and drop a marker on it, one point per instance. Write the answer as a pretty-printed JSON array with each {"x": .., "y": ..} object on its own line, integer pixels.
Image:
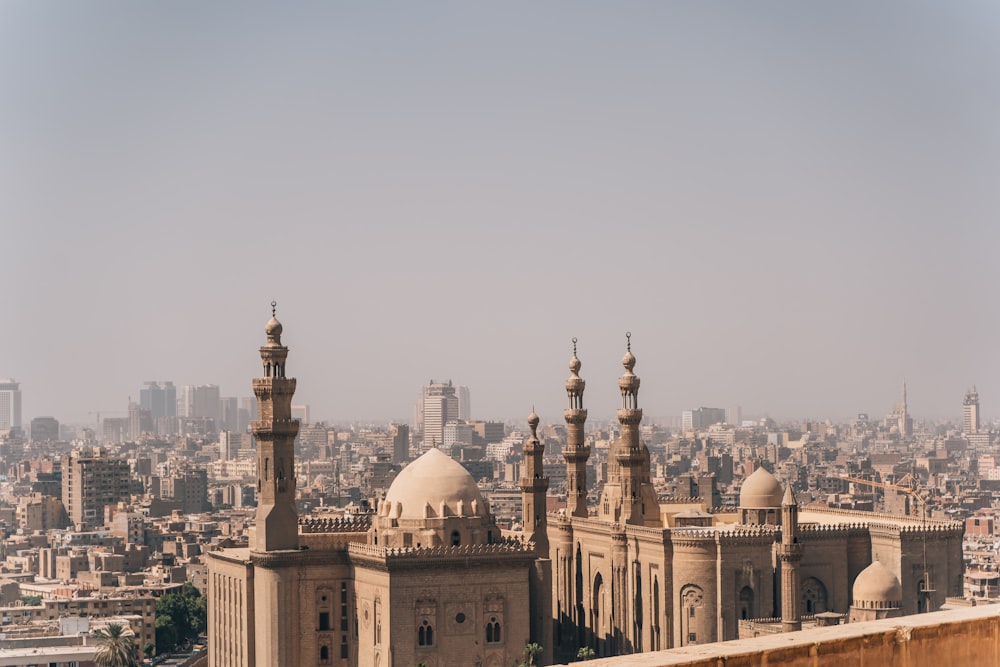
[{"x": 429, "y": 578}]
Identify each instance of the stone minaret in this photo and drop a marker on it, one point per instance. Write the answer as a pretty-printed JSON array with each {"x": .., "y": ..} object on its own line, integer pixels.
[
  {"x": 534, "y": 486},
  {"x": 629, "y": 496},
  {"x": 576, "y": 452},
  {"x": 790, "y": 554},
  {"x": 275, "y": 431}
]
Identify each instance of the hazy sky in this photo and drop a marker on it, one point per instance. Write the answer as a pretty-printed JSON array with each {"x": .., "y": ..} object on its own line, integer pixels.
[{"x": 791, "y": 205}]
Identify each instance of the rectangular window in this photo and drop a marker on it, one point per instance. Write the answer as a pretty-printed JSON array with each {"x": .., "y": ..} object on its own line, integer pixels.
[
  {"x": 343, "y": 647},
  {"x": 324, "y": 620},
  {"x": 692, "y": 638},
  {"x": 691, "y": 612}
]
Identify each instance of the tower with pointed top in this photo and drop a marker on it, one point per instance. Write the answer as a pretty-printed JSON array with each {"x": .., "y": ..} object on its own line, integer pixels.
[
  {"x": 790, "y": 555},
  {"x": 277, "y": 522},
  {"x": 905, "y": 423},
  {"x": 534, "y": 487},
  {"x": 629, "y": 497},
  {"x": 576, "y": 452}
]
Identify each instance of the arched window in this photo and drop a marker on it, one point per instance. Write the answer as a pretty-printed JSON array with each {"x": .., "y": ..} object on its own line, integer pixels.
[
  {"x": 456, "y": 538},
  {"x": 813, "y": 596},
  {"x": 324, "y": 655},
  {"x": 493, "y": 631},
  {"x": 692, "y": 599},
  {"x": 425, "y": 634}
]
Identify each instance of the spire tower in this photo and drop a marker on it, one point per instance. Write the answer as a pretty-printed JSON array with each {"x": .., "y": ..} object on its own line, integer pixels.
[
  {"x": 790, "y": 555},
  {"x": 629, "y": 496},
  {"x": 275, "y": 430},
  {"x": 576, "y": 452},
  {"x": 534, "y": 486}
]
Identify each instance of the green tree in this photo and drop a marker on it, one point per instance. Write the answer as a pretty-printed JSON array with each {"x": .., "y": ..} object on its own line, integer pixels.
[
  {"x": 31, "y": 600},
  {"x": 149, "y": 649},
  {"x": 585, "y": 653},
  {"x": 530, "y": 651},
  {"x": 117, "y": 646},
  {"x": 187, "y": 611},
  {"x": 166, "y": 633}
]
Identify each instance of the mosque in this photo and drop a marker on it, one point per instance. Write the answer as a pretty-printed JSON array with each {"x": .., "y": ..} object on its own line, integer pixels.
[{"x": 431, "y": 579}]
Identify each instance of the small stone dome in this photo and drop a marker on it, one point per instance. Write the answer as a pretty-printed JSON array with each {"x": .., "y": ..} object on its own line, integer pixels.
[
  {"x": 273, "y": 328},
  {"x": 574, "y": 364},
  {"x": 432, "y": 482},
  {"x": 878, "y": 586},
  {"x": 628, "y": 361},
  {"x": 761, "y": 490}
]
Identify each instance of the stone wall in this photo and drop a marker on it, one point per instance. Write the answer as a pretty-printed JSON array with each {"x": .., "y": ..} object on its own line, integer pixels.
[{"x": 968, "y": 636}]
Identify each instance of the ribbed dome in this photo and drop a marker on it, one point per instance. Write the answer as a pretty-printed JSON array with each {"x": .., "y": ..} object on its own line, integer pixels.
[
  {"x": 877, "y": 584},
  {"x": 761, "y": 490},
  {"x": 435, "y": 478}
]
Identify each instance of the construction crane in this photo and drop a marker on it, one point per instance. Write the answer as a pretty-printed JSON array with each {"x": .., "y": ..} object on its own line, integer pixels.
[{"x": 914, "y": 493}]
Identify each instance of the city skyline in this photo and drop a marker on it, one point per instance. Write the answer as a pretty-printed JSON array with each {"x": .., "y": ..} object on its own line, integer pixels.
[{"x": 792, "y": 208}]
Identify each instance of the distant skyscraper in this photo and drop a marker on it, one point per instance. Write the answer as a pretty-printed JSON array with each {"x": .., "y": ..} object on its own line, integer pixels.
[
  {"x": 734, "y": 415},
  {"x": 44, "y": 429},
  {"x": 10, "y": 405},
  {"x": 301, "y": 412},
  {"x": 229, "y": 414},
  {"x": 438, "y": 405},
  {"x": 200, "y": 401},
  {"x": 158, "y": 400},
  {"x": 702, "y": 418},
  {"x": 970, "y": 412},
  {"x": 400, "y": 442},
  {"x": 464, "y": 403}
]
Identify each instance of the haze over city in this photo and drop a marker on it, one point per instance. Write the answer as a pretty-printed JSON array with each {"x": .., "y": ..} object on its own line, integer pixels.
[{"x": 791, "y": 207}]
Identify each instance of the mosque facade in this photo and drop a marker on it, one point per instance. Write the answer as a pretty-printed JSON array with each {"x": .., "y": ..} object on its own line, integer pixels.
[{"x": 430, "y": 578}]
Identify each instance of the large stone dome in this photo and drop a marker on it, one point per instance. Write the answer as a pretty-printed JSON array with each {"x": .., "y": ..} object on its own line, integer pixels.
[
  {"x": 878, "y": 587},
  {"x": 761, "y": 490},
  {"x": 434, "y": 486}
]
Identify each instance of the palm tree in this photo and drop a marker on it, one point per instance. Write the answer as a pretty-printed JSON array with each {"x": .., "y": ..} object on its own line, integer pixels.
[{"x": 117, "y": 646}]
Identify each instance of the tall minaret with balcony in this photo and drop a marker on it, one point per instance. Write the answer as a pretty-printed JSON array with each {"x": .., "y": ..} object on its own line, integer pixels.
[
  {"x": 576, "y": 452},
  {"x": 629, "y": 496},
  {"x": 534, "y": 487},
  {"x": 275, "y": 430},
  {"x": 790, "y": 555}
]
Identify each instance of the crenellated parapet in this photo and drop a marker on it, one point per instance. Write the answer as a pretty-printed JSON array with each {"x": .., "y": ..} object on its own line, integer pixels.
[
  {"x": 357, "y": 524},
  {"x": 437, "y": 555}
]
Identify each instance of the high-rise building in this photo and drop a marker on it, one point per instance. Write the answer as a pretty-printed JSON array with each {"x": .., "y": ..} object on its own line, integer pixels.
[
  {"x": 229, "y": 414},
  {"x": 91, "y": 480},
  {"x": 464, "y": 403},
  {"x": 400, "y": 442},
  {"x": 440, "y": 406},
  {"x": 734, "y": 415},
  {"x": 10, "y": 405},
  {"x": 44, "y": 429},
  {"x": 970, "y": 412},
  {"x": 159, "y": 400},
  {"x": 702, "y": 418}
]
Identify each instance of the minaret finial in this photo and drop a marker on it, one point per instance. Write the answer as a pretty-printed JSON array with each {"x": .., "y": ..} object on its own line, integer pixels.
[
  {"x": 628, "y": 341},
  {"x": 274, "y": 307},
  {"x": 574, "y": 346}
]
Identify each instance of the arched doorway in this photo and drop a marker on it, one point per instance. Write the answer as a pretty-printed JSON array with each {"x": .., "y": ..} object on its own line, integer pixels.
[{"x": 813, "y": 596}]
